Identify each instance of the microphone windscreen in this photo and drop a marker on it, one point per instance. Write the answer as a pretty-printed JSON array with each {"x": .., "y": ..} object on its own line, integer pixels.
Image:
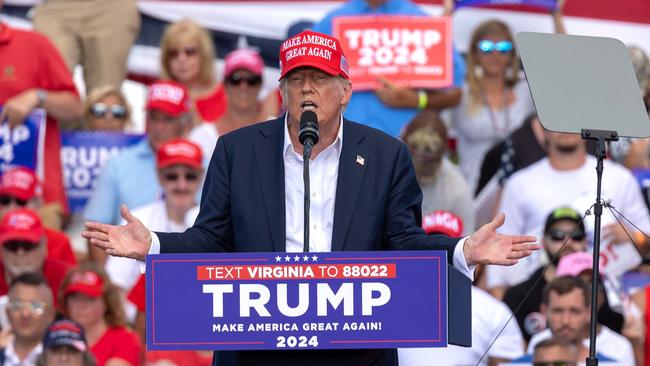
[
  {"x": 307, "y": 117},
  {"x": 308, "y": 128}
]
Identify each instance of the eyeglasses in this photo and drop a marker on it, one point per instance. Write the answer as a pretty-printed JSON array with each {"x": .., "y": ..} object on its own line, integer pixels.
[
  {"x": 14, "y": 245},
  {"x": 101, "y": 110},
  {"x": 559, "y": 235},
  {"x": 172, "y": 177},
  {"x": 554, "y": 363},
  {"x": 188, "y": 51},
  {"x": 487, "y": 46},
  {"x": 36, "y": 307},
  {"x": 6, "y": 201},
  {"x": 235, "y": 80}
]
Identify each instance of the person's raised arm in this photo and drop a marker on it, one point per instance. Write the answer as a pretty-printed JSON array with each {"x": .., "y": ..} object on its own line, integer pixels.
[{"x": 558, "y": 17}]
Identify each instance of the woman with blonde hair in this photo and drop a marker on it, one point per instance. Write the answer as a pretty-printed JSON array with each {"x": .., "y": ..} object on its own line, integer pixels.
[
  {"x": 88, "y": 297},
  {"x": 106, "y": 109},
  {"x": 495, "y": 98},
  {"x": 187, "y": 56}
]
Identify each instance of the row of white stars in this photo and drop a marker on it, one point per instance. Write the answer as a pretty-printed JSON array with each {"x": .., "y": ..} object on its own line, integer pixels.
[{"x": 296, "y": 258}]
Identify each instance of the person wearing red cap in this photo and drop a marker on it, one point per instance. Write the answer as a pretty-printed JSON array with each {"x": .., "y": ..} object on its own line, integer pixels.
[
  {"x": 243, "y": 83},
  {"x": 35, "y": 76},
  {"x": 123, "y": 177},
  {"x": 365, "y": 195},
  {"x": 88, "y": 297},
  {"x": 18, "y": 189},
  {"x": 22, "y": 238},
  {"x": 180, "y": 174}
]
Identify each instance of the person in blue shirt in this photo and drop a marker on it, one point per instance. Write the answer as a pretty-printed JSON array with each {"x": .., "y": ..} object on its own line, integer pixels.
[
  {"x": 130, "y": 178},
  {"x": 391, "y": 107}
]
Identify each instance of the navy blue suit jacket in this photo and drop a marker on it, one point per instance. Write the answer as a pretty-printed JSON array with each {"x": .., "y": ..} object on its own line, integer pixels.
[{"x": 378, "y": 207}]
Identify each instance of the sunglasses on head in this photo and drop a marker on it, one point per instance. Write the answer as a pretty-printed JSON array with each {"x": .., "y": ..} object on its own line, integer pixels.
[
  {"x": 235, "y": 80},
  {"x": 101, "y": 110},
  {"x": 14, "y": 245},
  {"x": 487, "y": 46},
  {"x": 559, "y": 235},
  {"x": 188, "y": 51},
  {"x": 172, "y": 177},
  {"x": 6, "y": 201}
]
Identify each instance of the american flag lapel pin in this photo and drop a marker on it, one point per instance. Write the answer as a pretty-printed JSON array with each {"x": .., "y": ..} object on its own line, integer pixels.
[{"x": 360, "y": 160}]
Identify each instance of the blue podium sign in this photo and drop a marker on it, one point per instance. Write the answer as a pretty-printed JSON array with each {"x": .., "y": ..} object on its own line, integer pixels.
[{"x": 276, "y": 301}]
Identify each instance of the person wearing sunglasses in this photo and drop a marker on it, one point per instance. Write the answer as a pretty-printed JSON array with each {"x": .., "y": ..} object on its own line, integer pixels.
[
  {"x": 187, "y": 56},
  {"x": 19, "y": 188},
  {"x": 180, "y": 172},
  {"x": 106, "y": 109},
  {"x": 243, "y": 83},
  {"x": 564, "y": 236},
  {"x": 495, "y": 98},
  {"x": 23, "y": 249},
  {"x": 121, "y": 181},
  {"x": 30, "y": 308}
]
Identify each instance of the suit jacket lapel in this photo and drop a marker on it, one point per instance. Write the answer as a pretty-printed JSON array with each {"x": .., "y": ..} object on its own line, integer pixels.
[
  {"x": 352, "y": 167},
  {"x": 270, "y": 167}
]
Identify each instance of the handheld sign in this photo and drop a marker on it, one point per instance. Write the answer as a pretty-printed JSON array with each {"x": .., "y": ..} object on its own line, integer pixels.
[
  {"x": 275, "y": 301},
  {"x": 83, "y": 155},
  {"x": 23, "y": 145},
  {"x": 410, "y": 50}
]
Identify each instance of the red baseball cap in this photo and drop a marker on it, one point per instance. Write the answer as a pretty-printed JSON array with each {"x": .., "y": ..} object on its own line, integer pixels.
[
  {"x": 169, "y": 97},
  {"x": 21, "y": 224},
  {"x": 180, "y": 151},
  {"x": 19, "y": 182},
  {"x": 442, "y": 222},
  {"x": 316, "y": 50},
  {"x": 246, "y": 59},
  {"x": 87, "y": 283}
]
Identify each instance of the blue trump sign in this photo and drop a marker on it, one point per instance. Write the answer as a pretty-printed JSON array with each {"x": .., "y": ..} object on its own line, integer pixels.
[
  {"x": 83, "y": 155},
  {"x": 23, "y": 144},
  {"x": 276, "y": 301},
  {"x": 546, "y": 4}
]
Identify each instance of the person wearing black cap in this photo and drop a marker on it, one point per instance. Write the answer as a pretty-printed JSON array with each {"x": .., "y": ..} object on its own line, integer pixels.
[{"x": 65, "y": 344}]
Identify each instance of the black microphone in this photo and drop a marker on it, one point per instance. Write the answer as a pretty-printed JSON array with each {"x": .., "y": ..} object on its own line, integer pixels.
[
  {"x": 308, "y": 133},
  {"x": 308, "y": 137}
]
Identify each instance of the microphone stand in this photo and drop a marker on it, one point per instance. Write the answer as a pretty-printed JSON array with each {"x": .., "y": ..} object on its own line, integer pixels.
[
  {"x": 306, "y": 155},
  {"x": 601, "y": 137}
]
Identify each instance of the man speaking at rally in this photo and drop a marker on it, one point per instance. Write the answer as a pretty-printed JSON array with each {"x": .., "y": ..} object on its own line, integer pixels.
[{"x": 364, "y": 195}]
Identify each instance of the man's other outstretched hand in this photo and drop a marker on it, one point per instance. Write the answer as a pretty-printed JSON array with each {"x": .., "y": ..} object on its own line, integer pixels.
[
  {"x": 486, "y": 246},
  {"x": 131, "y": 240}
]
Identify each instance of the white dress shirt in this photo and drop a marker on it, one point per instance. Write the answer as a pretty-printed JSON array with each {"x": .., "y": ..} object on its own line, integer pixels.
[
  {"x": 12, "y": 359},
  {"x": 323, "y": 178}
]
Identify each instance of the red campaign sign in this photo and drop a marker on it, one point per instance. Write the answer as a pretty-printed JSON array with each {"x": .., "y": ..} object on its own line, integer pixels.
[{"x": 408, "y": 50}]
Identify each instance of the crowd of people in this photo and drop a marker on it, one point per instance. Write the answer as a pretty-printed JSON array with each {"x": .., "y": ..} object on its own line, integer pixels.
[{"x": 477, "y": 147}]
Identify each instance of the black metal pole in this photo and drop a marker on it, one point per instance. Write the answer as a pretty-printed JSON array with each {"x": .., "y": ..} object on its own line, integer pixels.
[
  {"x": 592, "y": 360},
  {"x": 601, "y": 138},
  {"x": 306, "y": 155}
]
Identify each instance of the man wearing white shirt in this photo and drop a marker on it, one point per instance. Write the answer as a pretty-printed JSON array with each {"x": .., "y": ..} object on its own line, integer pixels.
[
  {"x": 369, "y": 197},
  {"x": 566, "y": 305},
  {"x": 180, "y": 173}
]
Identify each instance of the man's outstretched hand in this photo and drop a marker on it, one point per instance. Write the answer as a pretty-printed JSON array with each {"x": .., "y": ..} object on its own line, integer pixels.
[
  {"x": 130, "y": 240},
  {"x": 486, "y": 246}
]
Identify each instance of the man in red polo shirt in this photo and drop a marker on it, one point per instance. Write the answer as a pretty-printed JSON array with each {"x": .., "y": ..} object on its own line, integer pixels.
[
  {"x": 33, "y": 75},
  {"x": 18, "y": 189},
  {"x": 23, "y": 249}
]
